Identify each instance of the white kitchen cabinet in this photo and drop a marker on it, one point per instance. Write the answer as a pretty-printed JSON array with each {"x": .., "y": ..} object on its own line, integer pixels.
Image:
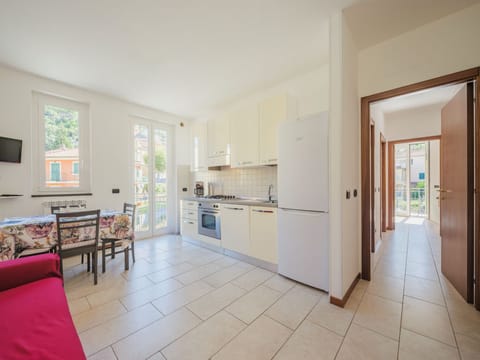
[
  {"x": 218, "y": 141},
  {"x": 244, "y": 137},
  {"x": 198, "y": 143},
  {"x": 263, "y": 234},
  {"x": 189, "y": 219},
  {"x": 271, "y": 112},
  {"x": 235, "y": 228}
]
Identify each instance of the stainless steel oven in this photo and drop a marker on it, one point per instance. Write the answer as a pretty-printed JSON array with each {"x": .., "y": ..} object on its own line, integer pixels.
[{"x": 209, "y": 219}]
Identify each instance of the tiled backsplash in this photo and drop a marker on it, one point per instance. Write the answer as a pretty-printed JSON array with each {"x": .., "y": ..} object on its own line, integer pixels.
[{"x": 246, "y": 182}]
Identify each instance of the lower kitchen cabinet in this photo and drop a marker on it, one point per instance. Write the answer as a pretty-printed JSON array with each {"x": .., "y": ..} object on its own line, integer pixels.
[
  {"x": 263, "y": 234},
  {"x": 189, "y": 228},
  {"x": 235, "y": 227}
]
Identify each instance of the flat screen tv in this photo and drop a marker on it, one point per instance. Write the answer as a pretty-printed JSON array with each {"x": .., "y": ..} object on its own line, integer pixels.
[{"x": 10, "y": 150}]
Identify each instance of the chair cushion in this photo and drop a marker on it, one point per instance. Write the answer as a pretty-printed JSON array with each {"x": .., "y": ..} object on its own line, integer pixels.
[{"x": 36, "y": 323}]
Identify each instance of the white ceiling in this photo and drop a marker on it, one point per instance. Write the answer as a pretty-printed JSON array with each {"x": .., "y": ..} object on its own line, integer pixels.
[
  {"x": 439, "y": 96},
  {"x": 374, "y": 21},
  {"x": 180, "y": 56},
  {"x": 188, "y": 57}
]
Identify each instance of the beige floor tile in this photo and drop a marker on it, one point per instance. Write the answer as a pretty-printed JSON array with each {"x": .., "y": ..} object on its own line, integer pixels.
[
  {"x": 78, "y": 306},
  {"x": 254, "y": 303},
  {"x": 208, "y": 257},
  {"x": 387, "y": 287},
  {"x": 417, "y": 347},
  {"x": 380, "y": 315},
  {"x": 105, "y": 354},
  {"x": 157, "y": 356},
  {"x": 175, "y": 300},
  {"x": 225, "y": 275},
  {"x": 141, "y": 268},
  {"x": 427, "y": 319},
  {"x": 117, "y": 291},
  {"x": 156, "y": 336},
  {"x": 113, "y": 330},
  {"x": 424, "y": 271},
  {"x": 279, "y": 283},
  {"x": 465, "y": 320},
  {"x": 424, "y": 289},
  {"x": 310, "y": 341},
  {"x": 141, "y": 297},
  {"x": 469, "y": 347},
  {"x": 225, "y": 261},
  {"x": 252, "y": 279},
  {"x": 98, "y": 315},
  {"x": 393, "y": 269},
  {"x": 364, "y": 344},
  {"x": 294, "y": 306},
  {"x": 206, "y": 339},
  {"x": 198, "y": 273},
  {"x": 215, "y": 301},
  {"x": 170, "y": 272},
  {"x": 261, "y": 340},
  {"x": 331, "y": 316}
]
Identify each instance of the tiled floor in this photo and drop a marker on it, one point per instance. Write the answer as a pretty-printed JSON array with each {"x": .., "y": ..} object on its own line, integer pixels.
[{"x": 180, "y": 301}]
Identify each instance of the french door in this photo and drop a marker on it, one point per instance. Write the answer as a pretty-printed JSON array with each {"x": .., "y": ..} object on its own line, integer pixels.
[{"x": 153, "y": 178}]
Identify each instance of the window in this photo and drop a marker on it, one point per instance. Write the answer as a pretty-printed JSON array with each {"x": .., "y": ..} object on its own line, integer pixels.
[
  {"x": 61, "y": 146},
  {"x": 75, "y": 168}
]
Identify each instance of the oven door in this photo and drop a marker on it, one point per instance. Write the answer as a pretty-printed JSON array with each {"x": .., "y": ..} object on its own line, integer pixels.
[{"x": 209, "y": 223}]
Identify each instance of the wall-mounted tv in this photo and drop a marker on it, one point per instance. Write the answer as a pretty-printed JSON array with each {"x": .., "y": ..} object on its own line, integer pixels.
[{"x": 10, "y": 150}]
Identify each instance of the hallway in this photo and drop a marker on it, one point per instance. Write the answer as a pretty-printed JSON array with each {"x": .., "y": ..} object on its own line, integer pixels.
[{"x": 409, "y": 289}]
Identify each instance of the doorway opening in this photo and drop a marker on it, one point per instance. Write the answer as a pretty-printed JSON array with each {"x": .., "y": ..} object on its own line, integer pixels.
[{"x": 412, "y": 192}]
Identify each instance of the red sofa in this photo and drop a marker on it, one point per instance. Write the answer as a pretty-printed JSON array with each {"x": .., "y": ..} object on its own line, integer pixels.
[{"x": 35, "y": 320}]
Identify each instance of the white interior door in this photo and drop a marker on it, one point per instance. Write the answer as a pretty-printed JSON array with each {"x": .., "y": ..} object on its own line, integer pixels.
[{"x": 154, "y": 187}]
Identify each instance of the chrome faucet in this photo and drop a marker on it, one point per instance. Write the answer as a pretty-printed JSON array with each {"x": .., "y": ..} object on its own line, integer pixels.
[{"x": 270, "y": 188}]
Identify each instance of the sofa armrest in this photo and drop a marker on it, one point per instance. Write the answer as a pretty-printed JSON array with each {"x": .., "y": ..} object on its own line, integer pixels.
[{"x": 21, "y": 271}]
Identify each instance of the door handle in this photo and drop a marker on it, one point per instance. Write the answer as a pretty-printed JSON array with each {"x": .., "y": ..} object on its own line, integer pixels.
[{"x": 444, "y": 191}]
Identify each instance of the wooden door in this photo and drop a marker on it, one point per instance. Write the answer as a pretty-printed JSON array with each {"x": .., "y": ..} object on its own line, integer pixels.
[{"x": 456, "y": 191}]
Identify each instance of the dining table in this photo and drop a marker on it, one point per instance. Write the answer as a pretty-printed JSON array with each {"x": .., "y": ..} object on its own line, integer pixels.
[{"x": 18, "y": 234}]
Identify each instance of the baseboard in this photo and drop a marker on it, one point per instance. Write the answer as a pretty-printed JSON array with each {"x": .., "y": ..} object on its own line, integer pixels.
[{"x": 341, "y": 302}]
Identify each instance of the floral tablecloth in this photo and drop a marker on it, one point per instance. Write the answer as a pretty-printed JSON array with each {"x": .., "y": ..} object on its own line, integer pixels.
[{"x": 18, "y": 234}]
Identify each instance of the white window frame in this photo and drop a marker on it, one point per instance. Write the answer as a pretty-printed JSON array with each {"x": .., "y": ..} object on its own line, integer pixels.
[{"x": 39, "y": 180}]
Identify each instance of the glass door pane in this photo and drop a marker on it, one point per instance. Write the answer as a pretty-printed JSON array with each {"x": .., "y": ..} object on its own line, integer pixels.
[
  {"x": 160, "y": 140},
  {"x": 141, "y": 177},
  {"x": 401, "y": 182},
  {"x": 418, "y": 203}
]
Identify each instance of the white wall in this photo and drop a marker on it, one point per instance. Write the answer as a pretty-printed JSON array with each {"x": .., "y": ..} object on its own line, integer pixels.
[
  {"x": 379, "y": 119},
  {"x": 310, "y": 91},
  {"x": 344, "y": 159},
  {"x": 413, "y": 123},
  {"x": 441, "y": 47},
  {"x": 111, "y": 136}
]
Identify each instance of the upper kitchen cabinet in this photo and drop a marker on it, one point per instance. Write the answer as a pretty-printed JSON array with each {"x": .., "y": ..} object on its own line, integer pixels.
[
  {"x": 273, "y": 111},
  {"x": 199, "y": 146},
  {"x": 218, "y": 144},
  {"x": 244, "y": 137}
]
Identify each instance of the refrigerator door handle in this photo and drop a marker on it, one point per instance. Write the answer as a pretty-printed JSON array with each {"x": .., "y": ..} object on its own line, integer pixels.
[{"x": 303, "y": 212}]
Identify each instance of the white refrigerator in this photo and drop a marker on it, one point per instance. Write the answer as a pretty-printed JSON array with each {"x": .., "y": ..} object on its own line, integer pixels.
[{"x": 303, "y": 236}]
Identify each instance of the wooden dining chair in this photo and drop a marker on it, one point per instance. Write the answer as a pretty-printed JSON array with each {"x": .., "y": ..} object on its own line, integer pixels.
[
  {"x": 78, "y": 233},
  {"x": 121, "y": 245}
]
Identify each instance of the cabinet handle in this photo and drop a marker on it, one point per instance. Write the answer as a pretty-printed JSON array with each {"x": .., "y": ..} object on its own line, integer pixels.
[
  {"x": 270, "y": 160},
  {"x": 233, "y": 208},
  {"x": 264, "y": 211}
]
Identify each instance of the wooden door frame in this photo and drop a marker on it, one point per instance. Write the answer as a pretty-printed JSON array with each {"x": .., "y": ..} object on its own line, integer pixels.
[
  {"x": 372, "y": 184},
  {"x": 383, "y": 182},
  {"x": 391, "y": 173},
  {"x": 367, "y": 220}
]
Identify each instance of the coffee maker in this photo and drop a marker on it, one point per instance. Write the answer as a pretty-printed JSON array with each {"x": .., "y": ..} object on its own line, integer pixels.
[{"x": 199, "y": 190}]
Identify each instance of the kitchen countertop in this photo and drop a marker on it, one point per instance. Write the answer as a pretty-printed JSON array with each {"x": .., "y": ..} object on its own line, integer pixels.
[{"x": 246, "y": 202}]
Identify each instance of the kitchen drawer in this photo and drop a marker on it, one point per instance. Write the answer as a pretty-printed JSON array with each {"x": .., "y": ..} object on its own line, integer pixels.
[
  {"x": 189, "y": 228},
  {"x": 189, "y": 204},
  {"x": 190, "y": 214}
]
